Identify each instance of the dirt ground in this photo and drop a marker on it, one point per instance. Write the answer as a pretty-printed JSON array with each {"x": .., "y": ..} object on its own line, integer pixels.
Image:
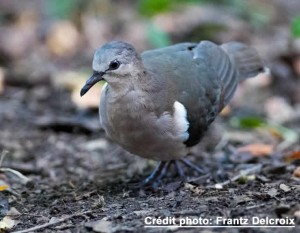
[
  {"x": 59, "y": 172},
  {"x": 75, "y": 172}
]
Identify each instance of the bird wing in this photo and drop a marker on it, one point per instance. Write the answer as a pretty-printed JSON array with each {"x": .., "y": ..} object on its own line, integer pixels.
[{"x": 199, "y": 76}]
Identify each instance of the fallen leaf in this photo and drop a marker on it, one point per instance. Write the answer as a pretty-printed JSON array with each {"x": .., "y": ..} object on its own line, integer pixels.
[
  {"x": 93, "y": 145},
  {"x": 297, "y": 214},
  {"x": 15, "y": 175},
  {"x": 62, "y": 39},
  {"x": 258, "y": 149},
  {"x": 297, "y": 65},
  {"x": 279, "y": 110},
  {"x": 273, "y": 192},
  {"x": 194, "y": 189},
  {"x": 3, "y": 187},
  {"x": 7, "y": 223},
  {"x": 1, "y": 80},
  {"x": 102, "y": 226},
  {"x": 289, "y": 136},
  {"x": 296, "y": 172},
  {"x": 225, "y": 111},
  {"x": 218, "y": 186},
  {"x": 74, "y": 81},
  {"x": 284, "y": 187},
  {"x": 292, "y": 156}
]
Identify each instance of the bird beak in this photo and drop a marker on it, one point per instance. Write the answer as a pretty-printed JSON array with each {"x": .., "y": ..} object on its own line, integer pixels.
[{"x": 96, "y": 77}]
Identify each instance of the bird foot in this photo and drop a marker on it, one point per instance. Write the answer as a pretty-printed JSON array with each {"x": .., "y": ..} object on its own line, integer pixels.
[{"x": 163, "y": 166}]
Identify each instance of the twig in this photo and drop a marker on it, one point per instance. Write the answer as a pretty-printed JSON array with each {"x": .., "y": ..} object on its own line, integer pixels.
[
  {"x": 64, "y": 227},
  {"x": 23, "y": 179},
  {"x": 254, "y": 206},
  {"x": 52, "y": 223},
  {"x": 254, "y": 169}
]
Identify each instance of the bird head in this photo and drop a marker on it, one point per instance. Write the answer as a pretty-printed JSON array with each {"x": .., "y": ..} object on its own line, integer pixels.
[{"x": 114, "y": 62}]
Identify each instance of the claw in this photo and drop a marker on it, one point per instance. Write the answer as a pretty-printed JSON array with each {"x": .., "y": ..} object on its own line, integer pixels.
[{"x": 163, "y": 166}]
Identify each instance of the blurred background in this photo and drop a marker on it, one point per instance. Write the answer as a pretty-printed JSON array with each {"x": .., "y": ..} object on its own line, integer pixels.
[
  {"x": 52, "y": 135},
  {"x": 54, "y": 41},
  {"x": 46, "y": 50}
]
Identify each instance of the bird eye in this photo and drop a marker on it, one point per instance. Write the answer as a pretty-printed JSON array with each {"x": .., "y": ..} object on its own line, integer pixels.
[{"x": 114, "y": 65}]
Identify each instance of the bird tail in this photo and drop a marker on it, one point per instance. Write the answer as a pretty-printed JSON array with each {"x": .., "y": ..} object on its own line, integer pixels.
[{"x": 245, "y": 58}]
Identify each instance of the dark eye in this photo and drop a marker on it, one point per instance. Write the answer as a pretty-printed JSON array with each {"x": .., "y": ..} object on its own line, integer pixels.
[{"x": 114, "y": 65}]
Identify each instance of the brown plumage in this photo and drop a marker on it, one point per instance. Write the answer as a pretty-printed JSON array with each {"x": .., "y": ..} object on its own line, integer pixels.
[{"x": 160, "y": 103}]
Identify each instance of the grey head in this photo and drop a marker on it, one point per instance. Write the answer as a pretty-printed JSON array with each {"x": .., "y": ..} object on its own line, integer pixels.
[{"x": 116, "y": 62}]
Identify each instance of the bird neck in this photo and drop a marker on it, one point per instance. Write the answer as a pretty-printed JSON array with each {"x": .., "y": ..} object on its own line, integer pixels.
[{"x": 138, "y": 82}]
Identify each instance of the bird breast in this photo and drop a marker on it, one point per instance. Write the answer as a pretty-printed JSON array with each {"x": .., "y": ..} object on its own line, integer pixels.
[{"x": 139, "y": 130}]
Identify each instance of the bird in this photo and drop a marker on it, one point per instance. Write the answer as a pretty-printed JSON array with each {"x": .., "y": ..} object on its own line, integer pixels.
[{"x": 158, "y": 104}]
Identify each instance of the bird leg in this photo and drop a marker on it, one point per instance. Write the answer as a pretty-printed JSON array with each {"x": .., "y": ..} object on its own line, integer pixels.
[
  {"x": 156, "y": 173},
  {"x": 189, "y": 164},
  {"x": 179, "y": 168},
  {"x": 163, "y": 166}
]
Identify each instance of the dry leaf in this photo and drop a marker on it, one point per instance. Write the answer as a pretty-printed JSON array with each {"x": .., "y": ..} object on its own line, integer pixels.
[
  {"x": 194, "y": 189},
  {"x": 3, "y": 187},
  {"x": 297, "y": 214},
  {"x": 225, "y": 111},
  {"x": 90, "y": 100},
  {"x": 63, "y": 39},
  {"x": 284, "y": 187},
  {"x": 294, "y": 155},
  {"x": 102, "y": 226},
  {"x": 279, "y": 110},
  {"x": 273, "y": 192},
  {"x": 74, "y": 81},
  {"x": 257, "y": 149},
  {"x": 1, "y": 80},
  {"x": 296, "y": 172},
  {"x": 7, "y": 223},
  {"x": 297, "y": 65}
]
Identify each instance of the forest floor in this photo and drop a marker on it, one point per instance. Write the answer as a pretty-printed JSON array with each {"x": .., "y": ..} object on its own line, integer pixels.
[
  {"x": 74, "y": 172},
  {"x": 60, "y": 173}
]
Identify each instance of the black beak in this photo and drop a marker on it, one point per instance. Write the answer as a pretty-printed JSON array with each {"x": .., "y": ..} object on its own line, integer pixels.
[{"x": 96, "y": 77}]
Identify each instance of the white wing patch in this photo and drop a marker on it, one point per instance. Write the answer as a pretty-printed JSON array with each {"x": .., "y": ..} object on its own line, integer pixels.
[{"x": 180, "y": 120}]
